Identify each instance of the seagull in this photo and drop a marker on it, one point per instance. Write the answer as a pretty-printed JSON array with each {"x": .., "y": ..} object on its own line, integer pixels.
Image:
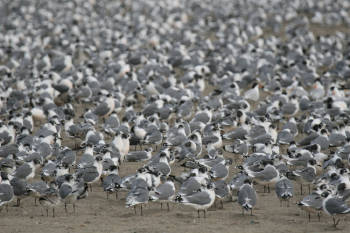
[
  {"x": 247, "y": 197},
  {"x": 93, "y": 137},
  {"x": 238, "y": 147},
  {"x": 165, "y": 192},
  {"x": 269, "y": 175},
  {"x": 37, "y": 189},
  {"x": 238, "y": 180},
  {"x": 204, "y": 116},
  {"x": 190, "y": 185},
  {"x": 92, "y": 173},
  {"x": 49, "y": 199},
  {"x": 65, "y": 191},
  {"x": 253, "y": 93},
  {"x": 87, "y": 158},
  {"x": 214, "y": 140},
  {"x": 161, "y": 166},
  {"x": 138, "y": 195},
  {"x": 220, "y": 170},
  {"x": 285, "y": 137},
  {"x": 112, "y": 182},
  {"x": 111, "y": 124},
  {"x": 153, "y": 135},
  {"x": 139, "y": 156},
  {"x": 6, "y": 192},
  {"x": 284, "y": 189},
  {"x": 72, "y": 190},
  {"x": 200, "y": 200},
  {"x": 84, "y": 94},
  {"x": 312, "y": 203},
  {"x": 222, "y": 190},
  {"x": 105, "y": 108},
  {"x": 7, "y": 165},
  {"x": 334, "y": 206},
  {"x": 27, "y": 170},
  {"x": 238, "y": 133},
  {"x": 317, "y": 90},
  {"x": 122, "y": 143},
  {"x": 63, "y": 85},
  {"x": 20, "y": 189},
  {"x": 307, "y": 174}
]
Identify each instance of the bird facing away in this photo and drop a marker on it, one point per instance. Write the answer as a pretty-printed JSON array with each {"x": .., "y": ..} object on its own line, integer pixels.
[{"x": 247, "y": 197}]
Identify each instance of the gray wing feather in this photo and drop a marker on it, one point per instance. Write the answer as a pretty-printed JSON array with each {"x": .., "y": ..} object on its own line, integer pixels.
[
  {"x": 6, "y": 193},
  {"x": 199, "y": 198},
  {"x": 322, "y": 141},
  {"x": 189, "y": 187},
  {"x": 267, "y": 174},
  {"x": 307, "y": 174},
  {"x": 210, "y": 139},
  {"x": 221, "y": 188},
  {"x": 89, "y": 174},
  {"x": 101, "y": 109},
  {"x": 336, "y": 139},
  {"x": 23, "y": 171},
  {"x": 164, "y": 191},
  {"x": 136, "y": 156},
  {"x": 202, "y": 117},
  {"x": 219, "y": 171},
  {"x": 19, "y": 186},
  {"x": 65, "y": 190},
  {"x": 336, "y": 206},
  {"x": 238, "y": 133}
]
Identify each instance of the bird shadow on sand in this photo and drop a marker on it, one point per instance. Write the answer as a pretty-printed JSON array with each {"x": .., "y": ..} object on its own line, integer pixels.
[{"x": 334, "y": 229}]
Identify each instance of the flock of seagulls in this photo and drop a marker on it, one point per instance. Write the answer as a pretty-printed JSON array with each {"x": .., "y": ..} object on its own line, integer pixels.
[{"x": 88, "y": 87}]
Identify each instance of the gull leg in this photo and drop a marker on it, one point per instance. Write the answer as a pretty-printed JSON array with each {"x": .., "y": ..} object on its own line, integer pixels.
[
  {"x": 135, "y": 209},
  {"x": 47, "y": 212},
  {"x": 116, "y": 195},
  {"x": 268, "y": 188},
  {"x": 198, "y": 213},
  {"x": 335, "y": 222},
  {"x": 107, "y": 195},
  {"x": 65, "y": 208},
  {"x": 141, "y": 210},
  {"x": 222, "y": 204},
  {"x": 18, "y": 202},
  {"x": 301, "y": 189},
  {"x": 74, "y": 207},
  {"x": 53, "y": 212},
  {"x": 205, "y": 215},
  {"x": 161, "y": 206},
  {"x": 309, "y": 217},
  {"x": 168, "y": 206}
]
